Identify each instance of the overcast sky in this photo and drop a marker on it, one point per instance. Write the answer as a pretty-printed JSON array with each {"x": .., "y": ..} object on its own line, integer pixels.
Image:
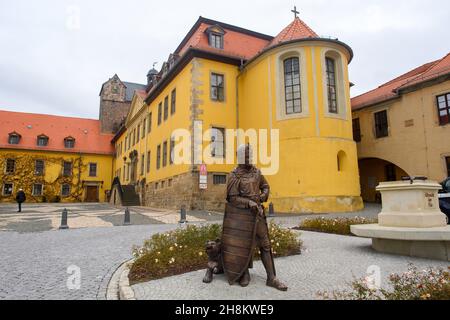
[{"x": 55, "y": 54}]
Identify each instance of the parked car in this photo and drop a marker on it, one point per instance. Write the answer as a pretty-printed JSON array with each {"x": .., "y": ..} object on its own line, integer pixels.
[{"x": 444, "y": 198}]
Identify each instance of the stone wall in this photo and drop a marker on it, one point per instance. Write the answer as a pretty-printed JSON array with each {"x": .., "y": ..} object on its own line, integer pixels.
[
  {"x": 112, "y": 114},
  {"x": 113, "y": 105},
  {"x": 184, "y": 190}
]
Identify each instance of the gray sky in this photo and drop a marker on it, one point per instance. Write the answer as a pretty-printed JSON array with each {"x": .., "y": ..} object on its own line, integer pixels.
[{"x": 49, "y": 65}]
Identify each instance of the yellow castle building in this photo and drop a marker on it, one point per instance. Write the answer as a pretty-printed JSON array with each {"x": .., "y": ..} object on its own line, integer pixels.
[
  {"x": 402, "y": 127},
  {"x": 288, "y": 95},
  {"x": 54, "y": 159},
  {"x": 223, "y": 77}
]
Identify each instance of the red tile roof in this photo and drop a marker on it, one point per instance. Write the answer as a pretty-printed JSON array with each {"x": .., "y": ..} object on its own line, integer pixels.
[
  {"x": 86, "y": 132},
  {"x": 297, "y": 29},
  {"x": 240, "y": 46},
  {"x": 436, "y": 69},
  {"x": 240, "y": 42},
  {"x": 235, "y": 43},
  {"x": 392, "y": 89}
]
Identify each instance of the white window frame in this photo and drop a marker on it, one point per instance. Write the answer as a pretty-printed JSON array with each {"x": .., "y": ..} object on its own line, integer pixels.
[
  {"x": 291, "y": 52},
  {"x": 342, "y": 93},
  {"x": 12, "y": 189},
  {"x": 213, "y": 142}
]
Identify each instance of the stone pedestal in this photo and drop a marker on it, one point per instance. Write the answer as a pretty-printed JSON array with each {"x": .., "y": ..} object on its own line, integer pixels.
[
  {"x": 411, "y": 205},
  {"x": 410, "y": 222}
]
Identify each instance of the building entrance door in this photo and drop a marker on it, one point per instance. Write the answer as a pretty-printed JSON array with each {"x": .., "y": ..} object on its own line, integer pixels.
[{"x": 92, "y": 194}]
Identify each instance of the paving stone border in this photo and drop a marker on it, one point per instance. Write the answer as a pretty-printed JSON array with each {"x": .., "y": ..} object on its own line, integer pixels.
[{"x": 119, "y": 286}]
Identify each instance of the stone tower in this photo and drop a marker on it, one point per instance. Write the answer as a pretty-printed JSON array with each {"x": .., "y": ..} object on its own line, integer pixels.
[{"x": 115, "y": 102}]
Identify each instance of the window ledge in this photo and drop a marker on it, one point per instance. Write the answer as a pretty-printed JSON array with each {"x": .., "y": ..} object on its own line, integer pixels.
[
  {"x": 302, "y": 115},
  {"x": 336, "y": 116}
]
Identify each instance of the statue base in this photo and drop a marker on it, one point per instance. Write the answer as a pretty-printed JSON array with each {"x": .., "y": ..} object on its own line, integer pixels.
[
  {"x": 431, "y": 243},
  {"x": 410, "y": 222}
]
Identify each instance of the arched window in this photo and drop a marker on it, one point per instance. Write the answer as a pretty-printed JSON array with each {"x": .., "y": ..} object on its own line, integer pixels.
[
  {"x": 331, "y": 85},
  {"x": 341, "y": 161},
  {"x": 292, "y": 85}
]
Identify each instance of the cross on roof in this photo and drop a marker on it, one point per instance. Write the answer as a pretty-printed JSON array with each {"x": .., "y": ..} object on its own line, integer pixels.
[{"x": 295, "y": 11}]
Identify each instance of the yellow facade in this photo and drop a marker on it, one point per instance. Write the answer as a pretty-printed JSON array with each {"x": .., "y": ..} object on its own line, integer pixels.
[
  {"x": 212, "y": 114},
  {"x": 318, "y": 169},
  {"x": 53, "y": 178},
  {"x": 308, "y": 179},
  {"x": 416, "y": 142}
]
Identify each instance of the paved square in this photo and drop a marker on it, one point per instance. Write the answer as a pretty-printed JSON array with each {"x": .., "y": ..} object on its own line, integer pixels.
[
  {"x": 35, "y": 258},
  {"x": 44, "y": 217}
]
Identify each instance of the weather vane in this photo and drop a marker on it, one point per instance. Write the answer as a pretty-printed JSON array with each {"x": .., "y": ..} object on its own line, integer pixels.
[
  {"x": 295, "y": 11},
  {"x": 154, "y": 64}
]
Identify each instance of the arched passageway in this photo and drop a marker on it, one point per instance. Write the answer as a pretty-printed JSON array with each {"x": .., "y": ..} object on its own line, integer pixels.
[{"x": 372, "y": 171}]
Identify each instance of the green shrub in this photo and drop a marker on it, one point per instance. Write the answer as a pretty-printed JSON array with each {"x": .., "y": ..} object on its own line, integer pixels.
[
  {"x": 429, "y": 284},
  {"x": 333, "y": 225},
  {"x": 183, "y": 250}
]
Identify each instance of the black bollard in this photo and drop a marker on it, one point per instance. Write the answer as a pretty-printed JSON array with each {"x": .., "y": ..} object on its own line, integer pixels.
[
  {"x": 127, "y": 220},
  {"x": 183, "y": 214},
  {"x": 271, "y": 210},
  {"x": 64, "y": 225}
]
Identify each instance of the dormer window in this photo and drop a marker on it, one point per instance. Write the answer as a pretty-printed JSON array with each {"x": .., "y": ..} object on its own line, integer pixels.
[
  {"x": 42, "y": 140},
  {"x": 215, "y": 36},
  {"x": 14, "y": 138},
  {"x": 69, "y": 143}
]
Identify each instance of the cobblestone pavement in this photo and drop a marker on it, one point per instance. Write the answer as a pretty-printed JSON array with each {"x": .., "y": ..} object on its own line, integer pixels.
[
  {"x": 329, "y": 262},
  {"x": 34, "y": 261},
  {"x": 35, "y": 265},
  {"x": 43, "y": 217}
]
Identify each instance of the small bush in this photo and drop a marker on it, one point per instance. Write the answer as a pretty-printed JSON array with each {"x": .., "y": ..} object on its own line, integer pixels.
[
  {"x": 183, "y": 250},
  {"x": 335, "y": 226},
  {"x": 429, "y": 284}
]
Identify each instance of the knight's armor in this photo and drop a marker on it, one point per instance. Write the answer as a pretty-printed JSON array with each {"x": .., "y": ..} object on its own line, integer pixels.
[{"x": 244, "y": 229}]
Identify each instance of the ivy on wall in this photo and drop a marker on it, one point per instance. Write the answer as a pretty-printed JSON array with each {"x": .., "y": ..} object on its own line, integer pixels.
[{"x": 25, "y": 177}]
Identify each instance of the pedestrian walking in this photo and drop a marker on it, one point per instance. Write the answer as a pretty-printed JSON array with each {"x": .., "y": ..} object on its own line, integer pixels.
[{"x": 20, "y": 198}]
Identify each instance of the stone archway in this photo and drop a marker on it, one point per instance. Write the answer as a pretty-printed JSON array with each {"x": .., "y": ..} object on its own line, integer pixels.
[{"x": 372, "y": 171}]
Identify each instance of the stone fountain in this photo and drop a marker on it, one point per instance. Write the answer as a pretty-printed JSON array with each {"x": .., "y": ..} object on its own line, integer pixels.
[{"x": 410, "y": 222}]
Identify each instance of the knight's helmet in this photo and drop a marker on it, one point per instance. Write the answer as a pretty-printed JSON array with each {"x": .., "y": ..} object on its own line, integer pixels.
[{"x": 242, "y": 149}]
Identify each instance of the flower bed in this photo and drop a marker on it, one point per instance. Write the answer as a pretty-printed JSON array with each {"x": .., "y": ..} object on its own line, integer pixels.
[
  {"x": 183, "y": 250},
  {"x": 429, "y": 284},
  {"x": 333, "y": 225}
]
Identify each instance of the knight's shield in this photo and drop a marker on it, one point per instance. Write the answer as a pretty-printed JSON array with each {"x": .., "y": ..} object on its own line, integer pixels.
[{"x": 238, "y": 241}]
